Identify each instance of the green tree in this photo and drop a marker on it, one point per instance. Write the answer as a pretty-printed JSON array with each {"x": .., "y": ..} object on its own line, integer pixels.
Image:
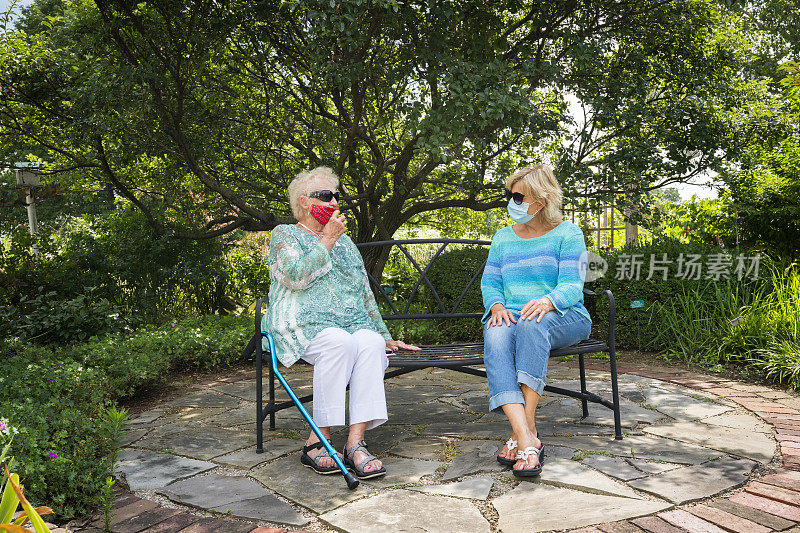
[{"x": 200, "y": 112}]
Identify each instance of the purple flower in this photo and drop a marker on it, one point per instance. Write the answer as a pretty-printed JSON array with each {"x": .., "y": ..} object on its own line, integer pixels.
[
  {"x": 52, "y": 380},
  {"x": 2, "y": 426},
  {"x": 52, "y": 455}
]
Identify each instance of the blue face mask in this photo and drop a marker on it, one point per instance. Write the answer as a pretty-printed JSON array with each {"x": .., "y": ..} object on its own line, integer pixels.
[{"x": 519, "y": 212}]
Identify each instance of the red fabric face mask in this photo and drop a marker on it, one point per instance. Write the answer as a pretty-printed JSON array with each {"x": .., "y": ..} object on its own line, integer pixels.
[{"x": 323, "y": 213}]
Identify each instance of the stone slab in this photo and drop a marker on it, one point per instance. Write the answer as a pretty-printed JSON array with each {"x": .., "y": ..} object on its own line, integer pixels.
[
  {"x": 523, "y": 509},
  {"x": 614, "y": 467},
  {"x": 200, "y": 443},
  {"x": 132, "y": 435},
  {"x": 425, "y": 448},
  {"x": 146, "y": 417},
  {"x": 684, "y": 407},
  {"x": 235, "y": 495},
  {"x": 204, "y": 398},
  {"x": 741, "y": 421},
  {"x": 641, "y": 447},
  {"x": 428, "y": 413},
  {"x": 568, "y": 410},
  {"x": 400, "y": 471},
  {"x": 573, "y": 475},
  {"x": 691, "y": 483},
  {"x": 405, "y": 510},
  {"x": 652, "y": 467},
  {"x": 472, "y": 457},
  {"x": 146, "y": 470},
  {"x": 481, "y": 430},
  {"x": 248, "y": 458},
  {"x": 289, "y": 478},
  {"x": 476, "y": 489},
  {"x": 756, "y": 446},
  {"x": 419, "y": 395}
]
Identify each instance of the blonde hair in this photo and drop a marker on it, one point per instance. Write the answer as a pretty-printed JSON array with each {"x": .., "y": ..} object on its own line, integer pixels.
[
  {"x": 539, "y": 182},
  {"x": 303, "y": 185}
]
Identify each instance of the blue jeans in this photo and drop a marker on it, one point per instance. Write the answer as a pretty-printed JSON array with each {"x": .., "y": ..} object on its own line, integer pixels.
[{"x": 518, "y": 354}]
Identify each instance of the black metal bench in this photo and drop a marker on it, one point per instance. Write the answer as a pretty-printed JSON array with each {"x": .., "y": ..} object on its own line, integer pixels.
[{"x": 462, "y": 357}]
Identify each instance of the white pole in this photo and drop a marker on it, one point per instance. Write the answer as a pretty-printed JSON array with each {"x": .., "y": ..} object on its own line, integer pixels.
[{"x": 29, "y": 179}]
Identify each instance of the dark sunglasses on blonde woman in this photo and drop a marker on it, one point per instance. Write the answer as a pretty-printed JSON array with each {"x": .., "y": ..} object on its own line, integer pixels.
[
  {"x": 325, "y": 195},
  {"x": 517, "y": 196}
]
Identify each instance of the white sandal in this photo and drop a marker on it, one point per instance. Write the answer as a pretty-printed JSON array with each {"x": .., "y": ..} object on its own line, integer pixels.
[
  {"x": 527, "y": 453},
  {"x": 505, "y": 461}
]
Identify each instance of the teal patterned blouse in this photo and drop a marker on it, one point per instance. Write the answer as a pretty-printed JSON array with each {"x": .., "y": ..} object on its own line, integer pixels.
[{"x": 312, "y": 289}]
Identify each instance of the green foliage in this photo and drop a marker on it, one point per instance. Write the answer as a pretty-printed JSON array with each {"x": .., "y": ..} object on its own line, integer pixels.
[
  {"x": 199, "y": 113},
  {"x": 449, "y": 275},
  {"x": 114, "y": 423},
  {"x": 50, "y": 318},
  {"x": 130, "y": 362},
  {"x": 632, "y": 330},
  {"x": 751, "y": 324},
  {"x": 54, "y": 404},
  {"x": 105, "y": 274},
  {"x": 58, "y": 398}
]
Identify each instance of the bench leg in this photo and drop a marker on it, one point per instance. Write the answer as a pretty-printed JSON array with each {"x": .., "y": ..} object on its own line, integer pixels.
[
  {"x": 259, "y": 409},
  {"x": 271, "y": 397},
  {"x": 584, "y": 403},
  {"x": 612, "y": 353}
]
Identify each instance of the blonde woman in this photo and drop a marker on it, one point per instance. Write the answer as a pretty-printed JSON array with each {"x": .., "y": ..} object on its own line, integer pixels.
[
  {"x": 321, "y": 309},
  {"x": 533, "y": 295}
]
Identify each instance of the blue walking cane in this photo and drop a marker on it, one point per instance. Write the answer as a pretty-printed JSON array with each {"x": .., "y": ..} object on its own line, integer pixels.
[{"x": 351, "y": 480}]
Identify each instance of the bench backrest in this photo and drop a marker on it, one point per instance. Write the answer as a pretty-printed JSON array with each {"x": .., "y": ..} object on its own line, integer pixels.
[{"x": 423, "y": 268}]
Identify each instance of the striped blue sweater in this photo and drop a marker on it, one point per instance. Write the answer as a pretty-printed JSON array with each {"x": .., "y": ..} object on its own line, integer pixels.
[{"x": 519, "y": 270}]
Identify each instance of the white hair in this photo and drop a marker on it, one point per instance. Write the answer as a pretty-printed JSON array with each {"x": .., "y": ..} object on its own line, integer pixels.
[
  {"x": 539, "y": 182},
  {"x": 304, "y": 183}
]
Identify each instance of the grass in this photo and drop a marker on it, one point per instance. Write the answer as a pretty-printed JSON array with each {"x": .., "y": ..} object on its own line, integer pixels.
[{"x": 754, "y": 325}]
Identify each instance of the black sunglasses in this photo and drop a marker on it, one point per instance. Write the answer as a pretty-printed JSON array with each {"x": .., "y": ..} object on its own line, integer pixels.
[
  {"x": 517, "y": 196},
  {"x": 325, "y": 195}
]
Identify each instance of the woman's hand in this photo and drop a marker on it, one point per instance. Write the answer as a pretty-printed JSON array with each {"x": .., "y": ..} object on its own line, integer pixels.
[
  {"x": 334, "y": 229},
  {"x": 393, "y": 346},
  {"x": 538, "y": 307},
  {"x": 499, "y": 314}
]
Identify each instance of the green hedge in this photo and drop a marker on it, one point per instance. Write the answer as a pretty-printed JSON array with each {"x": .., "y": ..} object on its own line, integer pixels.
[
  {"x": 54, "y": 397},
  {"x": 639, "y": 327}
]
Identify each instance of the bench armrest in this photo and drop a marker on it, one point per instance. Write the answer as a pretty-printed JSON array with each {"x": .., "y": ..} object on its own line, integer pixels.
[{"x": 612, "y": 312}]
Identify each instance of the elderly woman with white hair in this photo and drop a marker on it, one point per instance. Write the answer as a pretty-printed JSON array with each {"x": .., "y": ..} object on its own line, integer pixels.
[
  {"x": 322, "y": 310},
  {"x": 533, "y": 295}
]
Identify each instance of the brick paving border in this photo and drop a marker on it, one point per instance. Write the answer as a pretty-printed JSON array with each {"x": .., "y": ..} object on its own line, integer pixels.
[{"x": 769, "y": 503}]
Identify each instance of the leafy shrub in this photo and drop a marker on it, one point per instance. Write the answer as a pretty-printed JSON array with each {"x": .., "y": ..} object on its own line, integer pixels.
[
  {"x": 145, "y": 276},
  {"x": 759, "y": 326},
  {"x": 246, "y": 263},
  {"x": 54, "y": 404},
  {"x": 55, "y": 397},
  {"x": 143, "y": 358},
  {"x": 638, "y": 328},
  {"x": 48, "y": 317}
]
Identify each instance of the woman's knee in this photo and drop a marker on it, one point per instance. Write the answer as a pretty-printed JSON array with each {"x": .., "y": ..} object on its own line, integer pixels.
[
  {"x": 336, "y": 344},
  {"x": 498, "y": 335}
]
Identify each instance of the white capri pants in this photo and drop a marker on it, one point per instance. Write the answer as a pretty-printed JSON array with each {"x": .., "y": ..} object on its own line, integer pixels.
[{"x": 340, "y": 359}]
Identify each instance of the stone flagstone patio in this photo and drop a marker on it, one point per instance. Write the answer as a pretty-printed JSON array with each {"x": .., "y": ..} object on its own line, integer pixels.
[{"x": 192, "y": 467}]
